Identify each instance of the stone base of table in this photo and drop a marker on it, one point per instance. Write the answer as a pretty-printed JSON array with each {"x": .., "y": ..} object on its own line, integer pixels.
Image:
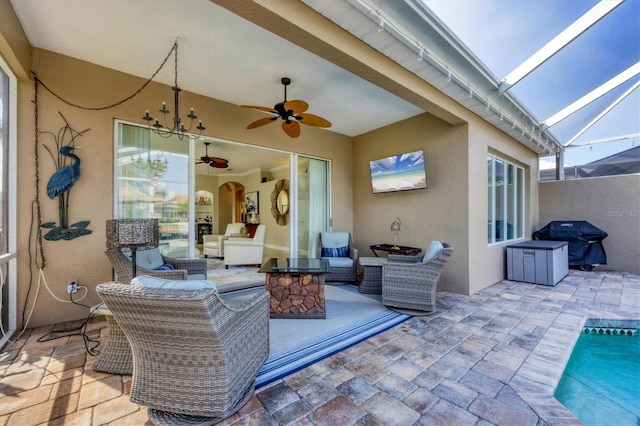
[{"x": 296, "y": 295}]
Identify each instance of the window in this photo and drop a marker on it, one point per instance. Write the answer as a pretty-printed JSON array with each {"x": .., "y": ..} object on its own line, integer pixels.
[{"x": 505, "y": 200}]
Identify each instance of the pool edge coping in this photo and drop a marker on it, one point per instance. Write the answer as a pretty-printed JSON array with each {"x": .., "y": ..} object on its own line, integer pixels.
[{"x": 539, "y": 375}]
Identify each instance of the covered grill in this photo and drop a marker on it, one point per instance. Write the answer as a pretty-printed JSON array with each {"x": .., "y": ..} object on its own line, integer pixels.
[{"x": 585, "y": 241}]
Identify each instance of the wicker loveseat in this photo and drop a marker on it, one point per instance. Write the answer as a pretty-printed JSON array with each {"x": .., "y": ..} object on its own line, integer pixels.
[
  {"x": 195, "y": 356},
  {"x": 409, "y": 284}
]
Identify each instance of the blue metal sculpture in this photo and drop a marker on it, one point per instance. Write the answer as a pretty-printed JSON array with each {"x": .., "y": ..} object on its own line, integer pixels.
[{"x": 62, "y": 181}]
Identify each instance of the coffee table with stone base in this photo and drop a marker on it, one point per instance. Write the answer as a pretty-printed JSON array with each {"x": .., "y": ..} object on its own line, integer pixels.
[{"x": 296, "y": 287}]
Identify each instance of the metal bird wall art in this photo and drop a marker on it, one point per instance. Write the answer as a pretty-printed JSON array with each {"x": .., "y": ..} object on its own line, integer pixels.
[{"x": 61, "y": 182}]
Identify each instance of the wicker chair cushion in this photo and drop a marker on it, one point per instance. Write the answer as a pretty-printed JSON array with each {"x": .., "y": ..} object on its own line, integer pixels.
[
  {"x": 340, "y": 262},
  {"x": 155, "y": 282},
  {"x": 148, "y": 259},
  {"x": 335, "y": 239},
  {"x": 435, "y": 247},
  {"x": 196, "y": 277}
]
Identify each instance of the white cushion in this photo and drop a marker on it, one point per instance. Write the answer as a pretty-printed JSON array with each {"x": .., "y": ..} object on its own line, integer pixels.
[
  {"x": 149, "y": 259},
  {"x": 435, "y": 247},
  {"x": 155, "y": 282}
]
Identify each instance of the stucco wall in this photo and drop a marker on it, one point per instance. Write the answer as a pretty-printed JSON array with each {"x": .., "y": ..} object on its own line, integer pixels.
[
  {"x": 92, "y": 196},
  {"x": 438, "y": 212},
  {"x": 610, "y": 203},
  {"x": 488, "y": 262}
]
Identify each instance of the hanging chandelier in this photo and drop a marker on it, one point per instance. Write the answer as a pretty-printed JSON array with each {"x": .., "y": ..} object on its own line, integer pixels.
[{"x": 177, "y": 127}]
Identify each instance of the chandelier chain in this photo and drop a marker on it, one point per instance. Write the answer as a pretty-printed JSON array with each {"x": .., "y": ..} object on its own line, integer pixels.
[{"x": 120, "y": 102}]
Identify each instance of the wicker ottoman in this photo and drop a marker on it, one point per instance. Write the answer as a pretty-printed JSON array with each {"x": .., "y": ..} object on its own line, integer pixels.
[{"x": 371, "y": 282}]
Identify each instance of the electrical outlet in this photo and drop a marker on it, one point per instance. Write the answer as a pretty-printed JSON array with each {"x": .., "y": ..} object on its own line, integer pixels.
[{"x": 72, "y": 287}]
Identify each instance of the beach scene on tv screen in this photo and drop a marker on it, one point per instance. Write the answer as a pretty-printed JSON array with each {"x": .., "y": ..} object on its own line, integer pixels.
[{"x": 400, "y": 172}]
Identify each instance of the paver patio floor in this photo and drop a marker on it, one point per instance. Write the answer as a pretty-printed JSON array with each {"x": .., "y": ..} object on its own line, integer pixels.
[{"x": 491, "y": 358}]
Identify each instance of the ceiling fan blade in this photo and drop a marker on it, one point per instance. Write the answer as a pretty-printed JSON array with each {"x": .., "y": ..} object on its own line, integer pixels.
[
  {"x": 296, "y": 106},
  {"x": 291, "y": 128},
  {"x": 313, "y": 120},
  {"x": 261, "y": 108},
  {"x": 261, "y": 122},
  {"x": 199, "y": 162},
  {"x": 219, "y": 164}
]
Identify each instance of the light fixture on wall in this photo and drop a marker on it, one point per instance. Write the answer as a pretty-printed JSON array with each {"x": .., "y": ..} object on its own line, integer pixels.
[
  {"x": 177, "y": 127},
  {"x": 395, "y": 228}
]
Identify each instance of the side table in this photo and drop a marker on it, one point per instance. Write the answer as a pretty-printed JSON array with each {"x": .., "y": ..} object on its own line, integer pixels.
[
  {"x": 371, "y": 282},
  {"x": 390, "y": 248},
  {"x": 115, "y": 354}
]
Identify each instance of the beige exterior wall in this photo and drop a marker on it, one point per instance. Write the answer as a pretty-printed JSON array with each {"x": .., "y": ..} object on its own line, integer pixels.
[
  {"x": 92, "y": 196},
  {"x": 488, "y": 262},
  {"x": 438, "y": 212},
  {"x": 609, "y": 203}
]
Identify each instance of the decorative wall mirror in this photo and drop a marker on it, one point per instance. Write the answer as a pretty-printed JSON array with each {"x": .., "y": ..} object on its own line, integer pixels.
[{"x": 280, "y": 202}]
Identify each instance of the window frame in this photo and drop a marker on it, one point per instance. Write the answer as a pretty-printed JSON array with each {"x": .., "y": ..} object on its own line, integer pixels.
[{"x": 507, "y": 205}]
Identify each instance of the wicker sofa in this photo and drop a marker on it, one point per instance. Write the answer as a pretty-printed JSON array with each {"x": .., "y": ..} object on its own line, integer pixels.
[
  {"x": 409, "y": 284},
  {"x": 194, "y": 368}
]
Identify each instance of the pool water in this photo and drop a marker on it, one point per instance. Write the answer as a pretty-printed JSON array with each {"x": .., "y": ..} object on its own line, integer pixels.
[{"x": 601, "y": 383}]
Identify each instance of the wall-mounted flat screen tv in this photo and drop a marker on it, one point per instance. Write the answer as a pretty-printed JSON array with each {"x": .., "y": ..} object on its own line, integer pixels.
[{"x": 402, "y": 172}]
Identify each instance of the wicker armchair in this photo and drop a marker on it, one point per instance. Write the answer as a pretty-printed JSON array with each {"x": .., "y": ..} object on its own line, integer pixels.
[
  {"x": 343, "y": 268},
  {"x": 410, "y": 287},
  {"x": 183, "y": 268},
  {"x": 195, "y": 356}
]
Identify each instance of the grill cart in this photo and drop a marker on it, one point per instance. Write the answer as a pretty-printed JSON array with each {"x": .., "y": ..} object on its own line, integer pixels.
[{"x": 585, "y": 241}]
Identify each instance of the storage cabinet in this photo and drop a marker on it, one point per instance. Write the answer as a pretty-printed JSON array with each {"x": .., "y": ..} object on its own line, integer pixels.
[{"x": 538, "y": 262}]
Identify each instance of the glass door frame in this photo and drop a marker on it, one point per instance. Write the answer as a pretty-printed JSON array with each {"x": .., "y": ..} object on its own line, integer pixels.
[{"x": 8, "y": 260}]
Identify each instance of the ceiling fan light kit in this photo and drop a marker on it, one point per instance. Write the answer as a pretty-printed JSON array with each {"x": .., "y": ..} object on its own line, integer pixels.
[{"x": 291, "y": 112}]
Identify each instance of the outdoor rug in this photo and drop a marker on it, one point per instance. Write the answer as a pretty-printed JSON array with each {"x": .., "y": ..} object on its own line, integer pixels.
[{"x": 351, "y": 317}]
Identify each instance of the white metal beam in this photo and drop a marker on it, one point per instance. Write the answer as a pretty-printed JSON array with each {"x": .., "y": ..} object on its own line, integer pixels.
[
  {"x": 605, "y": 88},
  {"x": 570, "y": 33},
  {"x": 603, "y": 113}
]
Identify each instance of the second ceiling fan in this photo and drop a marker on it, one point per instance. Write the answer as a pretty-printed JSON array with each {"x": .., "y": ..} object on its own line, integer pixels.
[
  {"x": 291, "y": 113},
  {"x": 217, "y": 162}
]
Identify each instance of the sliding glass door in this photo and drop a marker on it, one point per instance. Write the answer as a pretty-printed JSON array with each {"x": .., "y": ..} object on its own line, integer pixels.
[
  {"x": 156, "y": 178},
  {"x": 152, "y": 182},
  {"x": 312, "y": 213},
  {"x": 8, "y": 130}
]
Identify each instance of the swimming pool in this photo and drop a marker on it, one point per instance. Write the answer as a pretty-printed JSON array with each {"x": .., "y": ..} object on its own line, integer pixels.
[{"x": 601, "y": 382}]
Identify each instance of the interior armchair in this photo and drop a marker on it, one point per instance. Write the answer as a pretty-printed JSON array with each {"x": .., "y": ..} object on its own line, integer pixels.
[
  {"x": 409, "y": 282},
  {"x": 338, "y": 249},
  {"x": 245, "y": 251},
  {"x": 195, "y": 354},
  {"x": 213, "y": 245},
  {"x": 151, "y": 262}
]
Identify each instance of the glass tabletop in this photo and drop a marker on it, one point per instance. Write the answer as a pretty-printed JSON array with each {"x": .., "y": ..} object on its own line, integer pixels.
[{"x": 296, "y": 265}]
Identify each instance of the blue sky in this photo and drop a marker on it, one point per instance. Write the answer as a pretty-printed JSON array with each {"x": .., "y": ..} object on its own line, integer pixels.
[{"x": 503, "y": 33}]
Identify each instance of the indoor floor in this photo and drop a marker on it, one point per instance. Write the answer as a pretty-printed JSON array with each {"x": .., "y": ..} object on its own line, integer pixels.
[{"x": 492, "y": 358}]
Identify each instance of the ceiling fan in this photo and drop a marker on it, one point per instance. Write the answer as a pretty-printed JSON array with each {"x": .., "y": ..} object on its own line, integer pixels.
[
  {"x": 217, "y": 162},
  {"x": 291, "y": 113}
]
